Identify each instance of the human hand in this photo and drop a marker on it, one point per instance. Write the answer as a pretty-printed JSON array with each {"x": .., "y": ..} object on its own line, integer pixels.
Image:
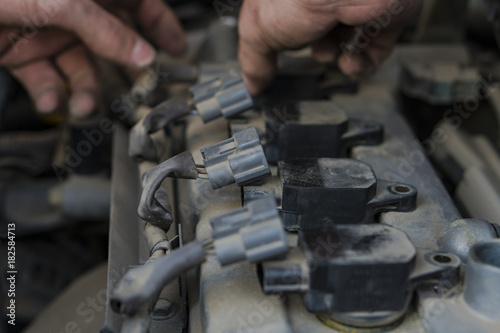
[
  {"x": 358, "y": 34},
  {"x": 45, "y": 44}
]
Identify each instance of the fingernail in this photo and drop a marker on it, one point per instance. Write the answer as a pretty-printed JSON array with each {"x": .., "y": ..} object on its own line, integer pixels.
[
  {"x": 356, "y": 66},
  {"x": 143, "y": 54},
  {"x": 47, "y": 101},
  {"x": 324, "y": 57},
  {"x": 82, "y": 104}
]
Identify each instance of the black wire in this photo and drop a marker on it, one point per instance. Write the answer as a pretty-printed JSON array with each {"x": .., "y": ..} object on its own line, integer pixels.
[{"x": 141, "y": 284}]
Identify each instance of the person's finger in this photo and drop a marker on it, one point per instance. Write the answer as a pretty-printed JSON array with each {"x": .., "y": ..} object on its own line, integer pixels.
[
  {"x": 267, "y": 27},
  {"x": 328, "y": 48},
  {"x": 81, "y": 76},
  {"x": 43, "y": 83},
  {"x": 362, "y": 59},
  {"x": 257, "y": 68},
  {"x": 8, "y": 38},
  {"x": 378, "y": 28},
  {"x": 46, "y": 44},
  {"x": 104, "y": 34},
  {"x": 160, "y": 23},
  {"x": 257, "y": 58}
]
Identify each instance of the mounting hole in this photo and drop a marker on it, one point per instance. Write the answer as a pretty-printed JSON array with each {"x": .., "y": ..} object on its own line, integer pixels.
[
  {"x": 440, "y": 258},
  {"x": 401, "y": 189},
  {"x": 116, "y": 305}
]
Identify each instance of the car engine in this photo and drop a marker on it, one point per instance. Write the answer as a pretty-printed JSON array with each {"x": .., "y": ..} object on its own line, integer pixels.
[{"x": 325, "y": 204}]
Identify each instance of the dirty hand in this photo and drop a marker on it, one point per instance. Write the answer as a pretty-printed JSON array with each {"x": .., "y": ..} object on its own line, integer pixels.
[
  {"x": 358, "y": 34},
  {"x": 44, "y": 43}
]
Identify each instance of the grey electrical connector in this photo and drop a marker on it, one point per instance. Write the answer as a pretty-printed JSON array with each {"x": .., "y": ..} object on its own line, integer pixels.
[
  {"x": 252, "y": 233},
  {"x": 224, "y": 95},
  {"x": 221, "y": 92},
  {"x": 239, "y": 160}
]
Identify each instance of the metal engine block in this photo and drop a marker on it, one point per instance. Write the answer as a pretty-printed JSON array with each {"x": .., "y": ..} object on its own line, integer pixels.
[{"x": 375, "y": 241}]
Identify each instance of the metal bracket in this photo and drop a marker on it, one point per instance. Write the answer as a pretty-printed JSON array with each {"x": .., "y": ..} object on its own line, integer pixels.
[
  {"x": 393, "y": 197},
  {"x": 429, "y": 264},
  {"x": 361, "y": 132}
]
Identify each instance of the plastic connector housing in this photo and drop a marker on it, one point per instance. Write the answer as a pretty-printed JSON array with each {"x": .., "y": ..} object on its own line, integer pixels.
[
  {"x": 239, "y": 160},
  {"x": 224, "y": 95},
  {"x": 254, "y": 233}
]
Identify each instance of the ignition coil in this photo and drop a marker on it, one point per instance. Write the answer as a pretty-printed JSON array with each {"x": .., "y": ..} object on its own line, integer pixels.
[
  {"x": 311, "y": 129},
  {"x": 324, "y": 191},
  {"x": 357, "y": 275}
]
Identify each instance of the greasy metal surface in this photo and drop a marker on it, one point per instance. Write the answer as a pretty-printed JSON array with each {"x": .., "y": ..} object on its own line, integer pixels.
[
  {"x": 127, "y": 245},
  {"x": 476, "y": 309},
  {"x": 459, "y": 236},
  {"x": 229, "y": 299},
  {"x": 400, "y": 157},
  {"x": 124, "y": 226}
]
